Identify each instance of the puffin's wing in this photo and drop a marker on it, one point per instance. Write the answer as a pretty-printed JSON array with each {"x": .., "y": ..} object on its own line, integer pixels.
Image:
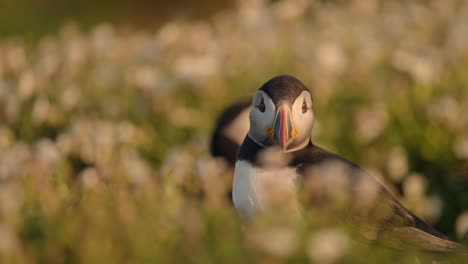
[
  {"x": 331, "y": 182},
  {"x": 231, "y": 127},
  {"x": 416, "y": 239}
]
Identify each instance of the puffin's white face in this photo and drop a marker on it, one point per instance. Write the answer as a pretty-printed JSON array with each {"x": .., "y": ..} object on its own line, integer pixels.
[{"x": 287, "y": 124}]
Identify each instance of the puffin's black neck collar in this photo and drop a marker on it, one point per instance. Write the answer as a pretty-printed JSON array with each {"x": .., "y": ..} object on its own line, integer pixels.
[{"x": 250, "y": 151}]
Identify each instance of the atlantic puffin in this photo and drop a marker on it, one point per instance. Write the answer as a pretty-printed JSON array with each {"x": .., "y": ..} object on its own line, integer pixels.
[
  {"x": 281, "y": 119},
  {"x": 231, "y": 128}
]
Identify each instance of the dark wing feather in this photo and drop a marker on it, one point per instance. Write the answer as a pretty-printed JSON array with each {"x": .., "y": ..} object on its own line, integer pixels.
[
  {"x": 221, "y": 145},
  {"x": 386, "y": 219}
]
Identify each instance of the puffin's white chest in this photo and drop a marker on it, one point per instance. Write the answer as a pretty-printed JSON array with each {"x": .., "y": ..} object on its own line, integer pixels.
[{"x": 264, "y": 189}]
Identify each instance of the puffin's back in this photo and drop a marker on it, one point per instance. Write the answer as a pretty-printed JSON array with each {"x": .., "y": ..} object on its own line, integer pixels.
[{"x": 231, "y": 127}]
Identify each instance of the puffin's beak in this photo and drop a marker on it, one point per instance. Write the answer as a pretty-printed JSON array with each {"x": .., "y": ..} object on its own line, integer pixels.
[{"x": 283, "y": 126}]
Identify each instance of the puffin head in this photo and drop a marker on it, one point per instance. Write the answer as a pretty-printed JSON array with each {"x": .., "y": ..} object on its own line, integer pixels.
[{"x": 282, "y": 114}]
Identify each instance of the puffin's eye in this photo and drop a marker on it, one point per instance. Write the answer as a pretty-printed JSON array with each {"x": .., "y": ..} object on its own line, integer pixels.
[
  {"x": 304, "y": 106},
  {"x": 261, "y": 106}
]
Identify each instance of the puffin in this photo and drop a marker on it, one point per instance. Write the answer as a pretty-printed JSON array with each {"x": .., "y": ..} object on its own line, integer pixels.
[
  {"x": 278, "y": 164},
  {"x": 231, "y": 127}
]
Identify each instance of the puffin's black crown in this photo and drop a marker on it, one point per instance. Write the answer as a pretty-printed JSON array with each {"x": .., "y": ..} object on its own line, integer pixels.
[{"x": 283, "y": 88}]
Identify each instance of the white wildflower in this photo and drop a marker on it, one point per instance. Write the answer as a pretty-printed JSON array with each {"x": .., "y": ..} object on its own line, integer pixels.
[
  {"x": 277, "y": 241},
  {"x": 461, "y": 226},
  {"x": 414, "y": 186},
  {"x": 397, "y": 164},
  {"x": 327, "y": 246}
]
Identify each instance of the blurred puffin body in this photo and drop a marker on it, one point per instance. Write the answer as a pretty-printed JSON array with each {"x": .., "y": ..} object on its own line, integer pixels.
[
  {"x": 231, "y": 128},
  {"x": 281, "y": 121}
]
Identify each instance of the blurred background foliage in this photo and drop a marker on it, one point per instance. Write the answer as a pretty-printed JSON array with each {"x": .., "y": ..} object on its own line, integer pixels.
[
  {"x": 106, "y": 109},
  {"x": 34, "y": 18}
]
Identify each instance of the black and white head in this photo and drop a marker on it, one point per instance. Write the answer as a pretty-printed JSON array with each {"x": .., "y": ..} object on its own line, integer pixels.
[{"x": 282, "y": 114}]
